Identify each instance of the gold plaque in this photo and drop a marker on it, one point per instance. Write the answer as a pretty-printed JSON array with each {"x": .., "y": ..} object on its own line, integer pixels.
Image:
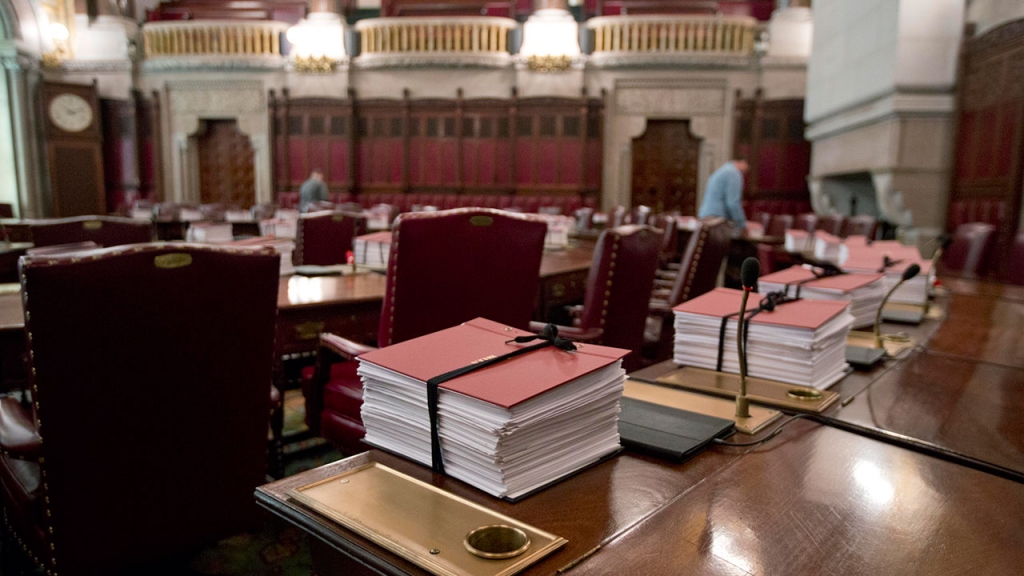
[
  {"x": 92, "y": 224},
  {"x": 759, "y": 390},
  {"x": 481, "y": 220},
  {"x": 337, "y": 217},
  {"x": 172, "y": 260},
  {"x": 308, "y": 330},
  {"x": 440, "y": 532}
]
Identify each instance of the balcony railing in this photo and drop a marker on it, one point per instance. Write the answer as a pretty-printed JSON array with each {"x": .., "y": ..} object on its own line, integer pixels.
[
  {"x": 409, "y": 41},
  {"x": 225, "y": 40},
  {"x": 635, "y": 39}
]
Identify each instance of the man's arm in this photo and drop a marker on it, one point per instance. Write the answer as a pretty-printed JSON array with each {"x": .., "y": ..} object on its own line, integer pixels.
[{"x": 733, "y": 195}]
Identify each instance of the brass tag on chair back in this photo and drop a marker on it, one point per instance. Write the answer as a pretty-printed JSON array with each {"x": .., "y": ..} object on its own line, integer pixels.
[
  {"x": 481, "y": 220},
  {"x": 338, "y": 217},
  {"x": 172, "y": 260},
  {"x": 92, "y": 224}
]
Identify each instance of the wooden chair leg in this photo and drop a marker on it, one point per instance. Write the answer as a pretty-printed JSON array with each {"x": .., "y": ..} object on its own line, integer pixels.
[{"x": 275, "y": 461}]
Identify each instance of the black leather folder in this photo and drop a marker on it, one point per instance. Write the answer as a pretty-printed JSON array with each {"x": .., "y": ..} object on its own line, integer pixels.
[{"x": 668, "y": 432}]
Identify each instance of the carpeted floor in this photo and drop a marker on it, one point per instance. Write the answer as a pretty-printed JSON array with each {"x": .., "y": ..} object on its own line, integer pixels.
[{"x": 276, "y": 550}]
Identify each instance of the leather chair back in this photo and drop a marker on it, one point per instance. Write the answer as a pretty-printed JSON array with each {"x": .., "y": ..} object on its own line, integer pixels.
[
  {"x": 702, "y": 260},
  {"x": 669, "y": 226},
  {"x": 152, "y": 408},
  {"x": 1015, "y": 270},
  {"x": 584, "y": 219},
  {"x": 640, "y": 215},
  {"x": 617, "y": 217},
  {"x": 324, "y": 238},
  {"x": 619, "y": 286},
  {"x": 778, "y": 224},
  {"x": 103, "y": 230},
  {"x": 866, "y": 226},
  {"x": 967, "y": 254},
  {"x": 808, "y": 222},
  {"x": 831, "y": 223},
  {"x": 451, "y": 266}
]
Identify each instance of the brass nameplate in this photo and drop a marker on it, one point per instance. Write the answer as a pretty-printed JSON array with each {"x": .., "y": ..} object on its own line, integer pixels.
[
  {"x": 337, "y": 217},
  {"x": 759, "y": 390},
  {"x": 481, "y": 220},
  {"x": 308, "y": 330},
  {"x": 701, "y": 404},
  {"x": 426, "y": 525},
  {"x": 92, "y": 224},
  {"x": 172, "y": 260}
]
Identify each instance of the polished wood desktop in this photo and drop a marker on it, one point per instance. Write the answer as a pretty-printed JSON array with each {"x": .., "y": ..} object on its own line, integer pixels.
[
  {"x": 563, "y": 278},
  {"x": 907, "y": 481}
]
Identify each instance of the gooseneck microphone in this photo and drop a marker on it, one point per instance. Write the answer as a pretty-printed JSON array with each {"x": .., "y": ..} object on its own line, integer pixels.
[
  {"x": 749, "y": 272},
  {"x": 910, "y": 272}
]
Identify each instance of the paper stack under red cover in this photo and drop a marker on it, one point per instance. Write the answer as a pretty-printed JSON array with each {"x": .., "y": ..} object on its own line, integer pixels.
[
  {"x": 507, "y": 429},
  {"x": 283, "y": 246},
  {"x": 373, "y": 249},
  {"x": 801, "y": 342},
  {"x": 864, "y": 292},
  {"x": 871, "y": 258}
]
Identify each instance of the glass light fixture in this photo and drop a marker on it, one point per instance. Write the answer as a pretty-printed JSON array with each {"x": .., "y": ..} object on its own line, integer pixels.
[
  {"x": 550, "y": 40},
  {"x": 318, "y": 42}
]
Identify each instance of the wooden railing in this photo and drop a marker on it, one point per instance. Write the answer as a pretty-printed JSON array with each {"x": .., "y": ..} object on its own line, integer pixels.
[
  {"x": 213, "y": 37},
  {"x": 673, "y": 34},
  {"x": 469, "y": 35}
]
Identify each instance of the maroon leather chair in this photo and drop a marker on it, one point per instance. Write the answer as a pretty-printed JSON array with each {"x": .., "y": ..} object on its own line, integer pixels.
[
  {"x": 967, "y": 255},
  {"x": 324, "y": 238},
  {"x": 778, "y": 224},
  {"x": 698, "y": 273},
  {"x": 831, "y": 223},
  {"x": 148, "y": 428},
  {"x": 618, "y": 288},
  {"x": 1015, "y": 269},
  {"x": 808, "y": 222},
  {"x": 639, "y": 215},
  {"x": 104, "y": 230},
  {"x": 445, "y": 268},
  {"x": 866, "y": 226}
]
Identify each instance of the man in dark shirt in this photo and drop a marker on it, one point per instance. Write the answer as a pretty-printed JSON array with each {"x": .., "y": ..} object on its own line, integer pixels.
[{"x": 312, "y": 191}]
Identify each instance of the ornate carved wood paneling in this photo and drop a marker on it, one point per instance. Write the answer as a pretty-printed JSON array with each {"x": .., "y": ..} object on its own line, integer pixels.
[
  {"x": 665, "y": 167},
  {"x": 226, "y": 167},
  {"x": 988, "y": 171},
  {"x": 485, "y": 146},
  {"x": 770, "y": 134},
  {"x": 120, "y": 161}
]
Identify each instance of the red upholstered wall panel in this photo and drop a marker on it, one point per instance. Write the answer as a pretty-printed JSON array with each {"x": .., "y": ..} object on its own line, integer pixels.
[
  {"x": 339, "y": 172},
  {"x": 297, "y": 160},
  {"x": 569, "y": 157}
]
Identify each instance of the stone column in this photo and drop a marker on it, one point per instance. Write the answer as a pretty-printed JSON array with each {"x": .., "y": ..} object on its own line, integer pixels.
[{"x": 21, "y": 78}]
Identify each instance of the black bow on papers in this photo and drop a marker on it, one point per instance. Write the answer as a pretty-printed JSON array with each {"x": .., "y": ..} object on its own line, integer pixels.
[
  {"x": 770, "y": 301},
  {"x": 549, "y": 337}
]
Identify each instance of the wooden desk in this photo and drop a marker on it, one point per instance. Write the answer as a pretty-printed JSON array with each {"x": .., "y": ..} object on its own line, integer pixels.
[
  {"x": 563, "y": 279},
  {"x": 814, "y": 500},
  {"x": 345, "y": 305}
]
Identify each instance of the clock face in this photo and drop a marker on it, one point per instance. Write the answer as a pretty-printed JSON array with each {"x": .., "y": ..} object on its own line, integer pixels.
[{"x": 70, "y": 112}]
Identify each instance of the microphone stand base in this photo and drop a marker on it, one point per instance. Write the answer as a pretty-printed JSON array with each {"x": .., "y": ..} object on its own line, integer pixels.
[{"x": 791, "y": 397}]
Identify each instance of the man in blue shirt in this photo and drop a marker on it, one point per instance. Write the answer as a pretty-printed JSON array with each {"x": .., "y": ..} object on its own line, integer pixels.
[
  {"x": 313, "y": 191},
  {"x": 723, "y": 193}
]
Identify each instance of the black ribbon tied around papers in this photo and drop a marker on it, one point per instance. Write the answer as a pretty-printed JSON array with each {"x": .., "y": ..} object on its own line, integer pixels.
[
  {"x": 768, "y": 303},
  {"x": 548, "y": 337}
]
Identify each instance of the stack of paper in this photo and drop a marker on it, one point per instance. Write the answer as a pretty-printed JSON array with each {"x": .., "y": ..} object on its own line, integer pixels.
[
  {"x": 373, "y": 249},
  {"x": 558, "y": 230},
  {"x": 209, "y": 232},
  {"x": 139, "y": 213},
  {"x": 864, "y": 292},
  {"x": 828, "y": 247},
  {"x": 802, "y": 342},
  {"x": 238, "y": 215},
  {"x": 798, "y": 241},
  {"x": 378, "y": 217},
  {"x": 913, "y": 291},
  {"x": 279, "y": 228},
  {"x": 507, "y": 429},
  {"x": 187, "y": 214},
  {"x": 283, "y": 246}
]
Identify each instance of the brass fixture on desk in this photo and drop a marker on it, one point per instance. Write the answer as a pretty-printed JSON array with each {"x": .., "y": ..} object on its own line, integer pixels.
[
  {"x": 759, "y": 390},
  {"x": 867, "y": 348}
]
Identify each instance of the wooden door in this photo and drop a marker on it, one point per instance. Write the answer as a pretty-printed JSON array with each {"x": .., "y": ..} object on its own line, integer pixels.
[
  {"x": 226, "y": 172},
  {"x": 665, "y": 166}
]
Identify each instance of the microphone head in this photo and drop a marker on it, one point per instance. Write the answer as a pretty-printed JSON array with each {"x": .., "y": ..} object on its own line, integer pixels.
[
  {"x": 945, "y": 240},
  {"x": 749, "y": 272},
  {"x": 911, "y": 271}
]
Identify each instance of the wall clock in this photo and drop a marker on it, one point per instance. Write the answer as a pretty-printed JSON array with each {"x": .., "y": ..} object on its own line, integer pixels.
[{"x": 70, "y": 112}]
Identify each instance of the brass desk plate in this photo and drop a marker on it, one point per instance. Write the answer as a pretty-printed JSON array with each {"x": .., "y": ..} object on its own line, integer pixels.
[
  {"x": 759, "y": 390},
  {"x": 893, "y": 344},
  {"x": 934, "y": 312},
  {"x": 426, "y": 525},
  {"x": 760, "y": 417}
]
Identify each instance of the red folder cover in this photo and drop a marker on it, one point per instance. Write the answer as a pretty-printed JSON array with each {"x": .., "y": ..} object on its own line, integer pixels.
[
  {"x": 866, "y": 261},
  {"x": 381, "y": 237},
  {"x": 806, "y": 314},
  {"x": 804, "y": 277},
  {"x": 505, "y": 384}
]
